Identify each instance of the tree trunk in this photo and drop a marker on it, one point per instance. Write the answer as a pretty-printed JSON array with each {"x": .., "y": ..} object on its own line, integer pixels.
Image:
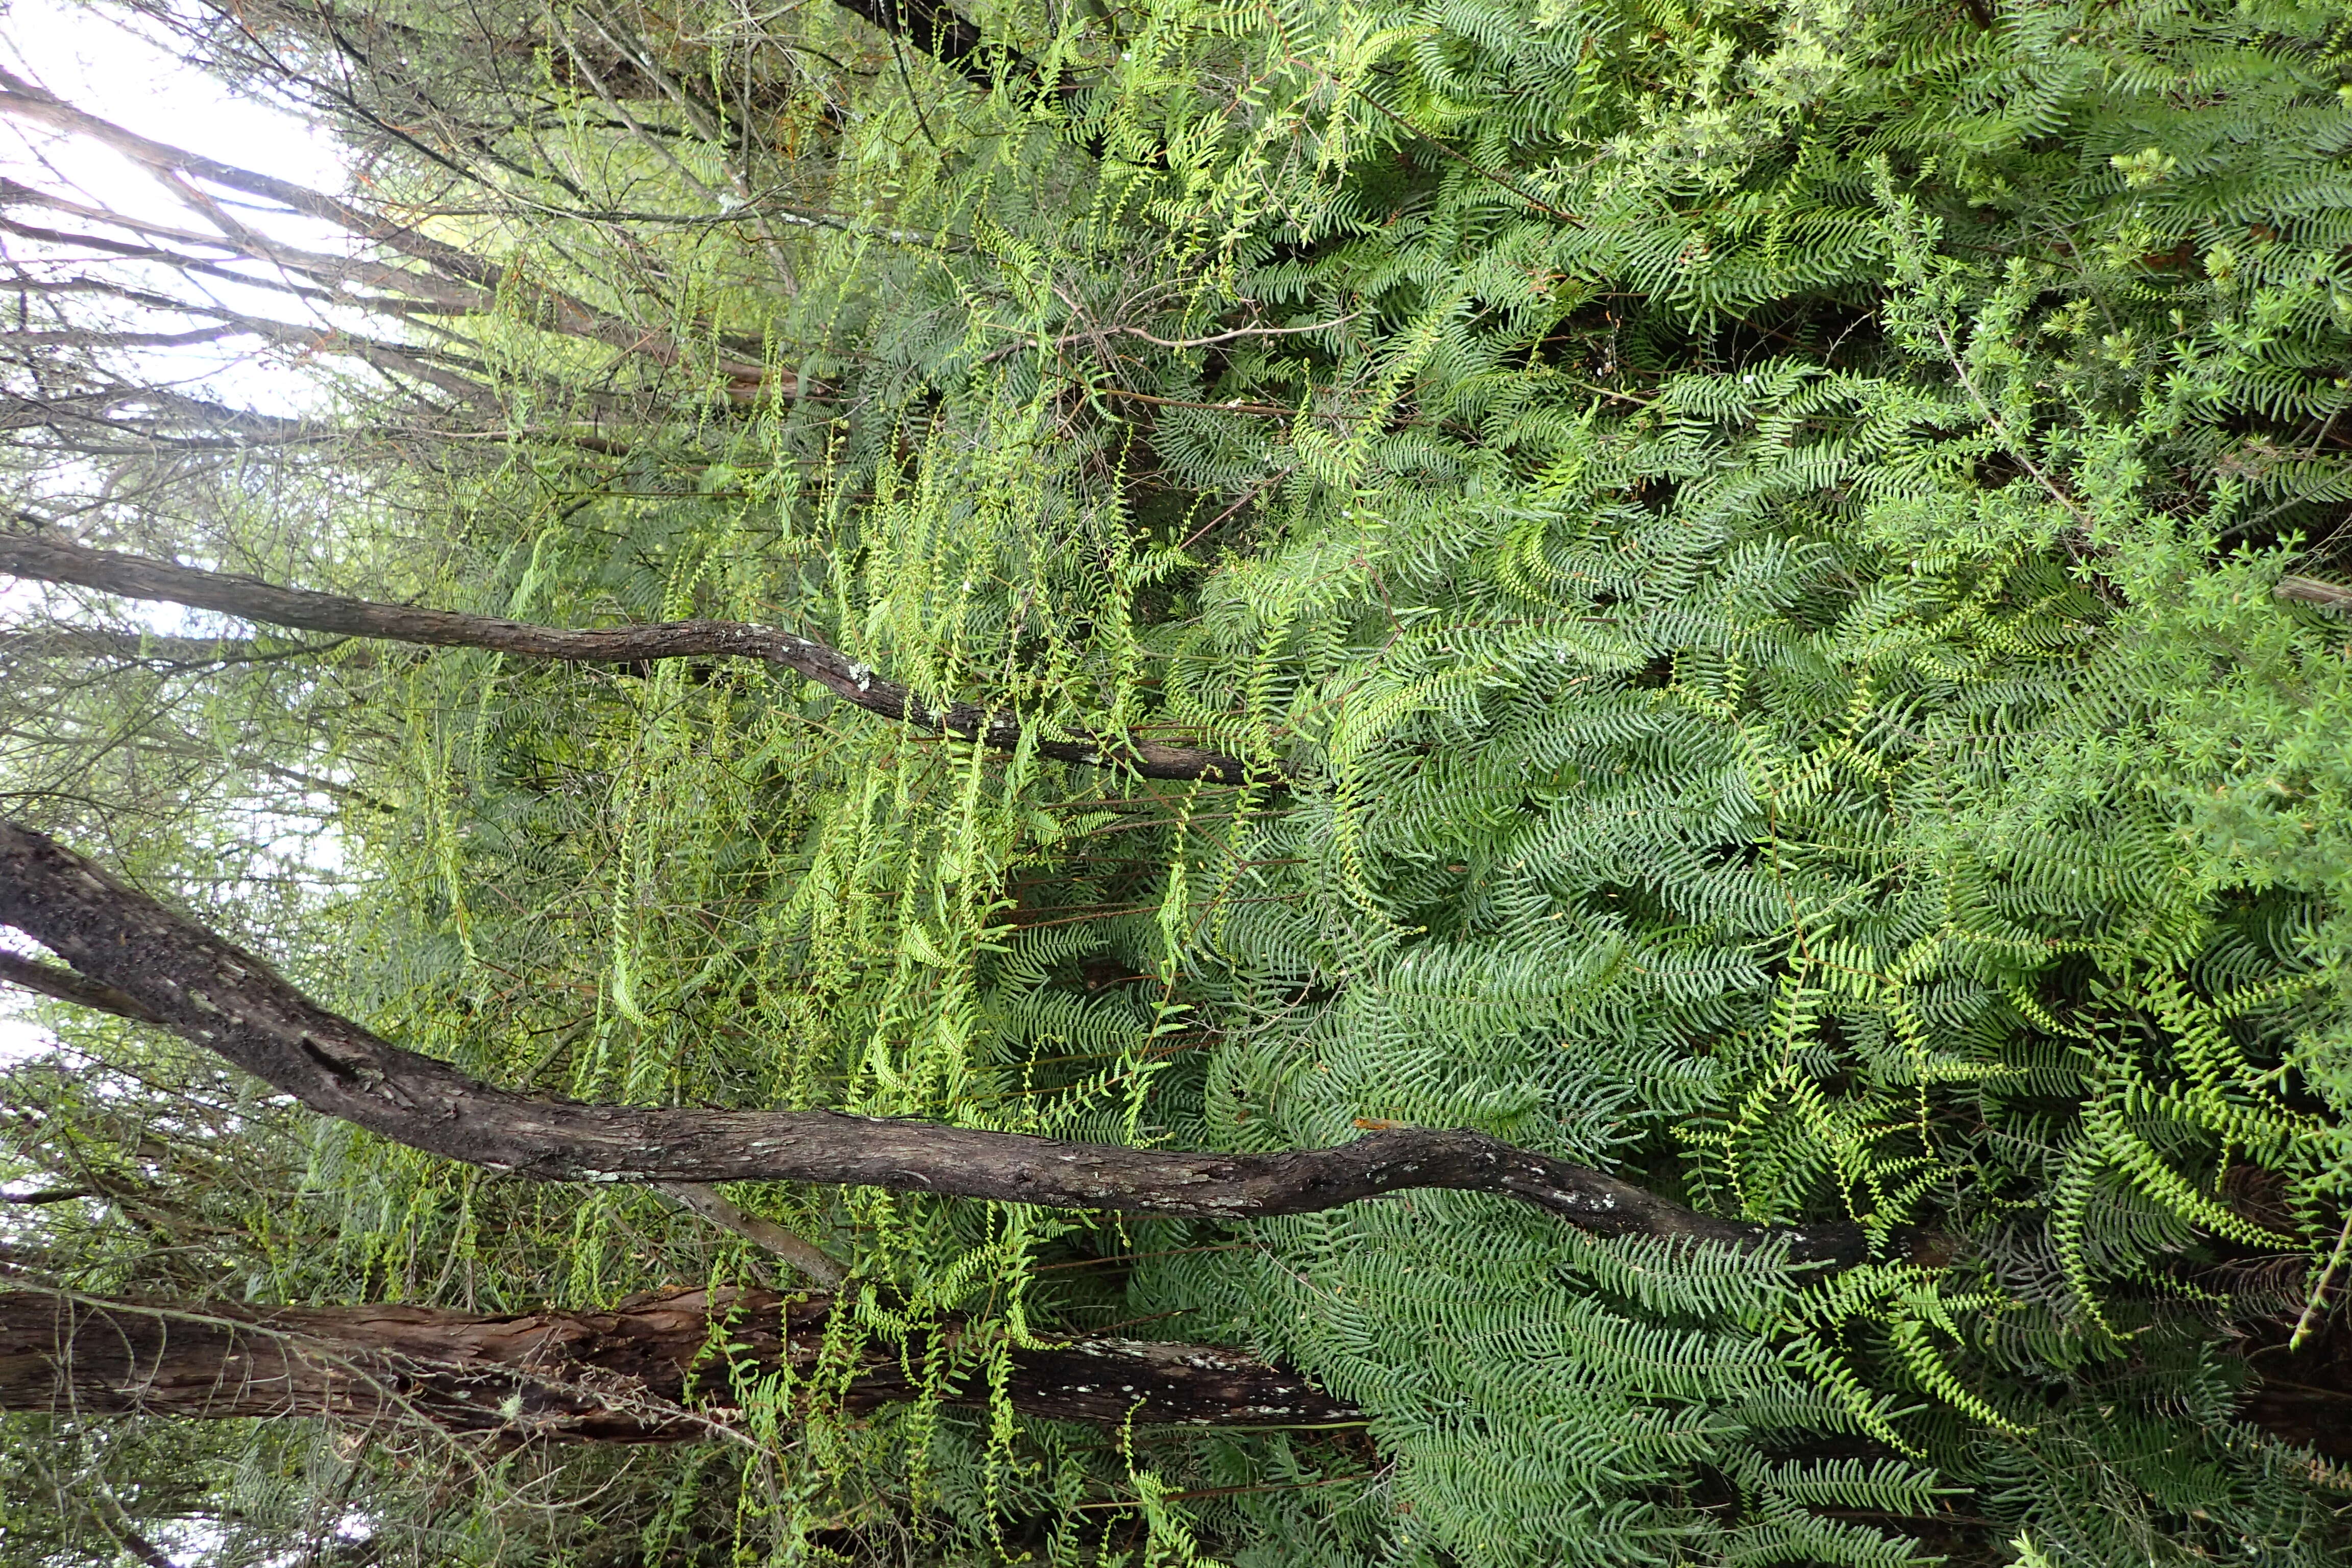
[
  {"x": 136, "y": 577},
  {"x": 641, "y": 1372},
  {"x": 226, "y": 1000},
  {"x": 625, "y": 1374}
]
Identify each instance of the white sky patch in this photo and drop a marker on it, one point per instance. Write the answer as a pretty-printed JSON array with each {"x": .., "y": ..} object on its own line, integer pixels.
[
  {"x": 116, "y": 73},
  {"x": 20, "y": 1039},
  {"x": 89, "y": 60}
]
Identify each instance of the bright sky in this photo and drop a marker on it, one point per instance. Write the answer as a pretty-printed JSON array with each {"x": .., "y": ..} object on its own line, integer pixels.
[
  {"x": 83, "y": 57},
  {"x": 77, "y": 53}
]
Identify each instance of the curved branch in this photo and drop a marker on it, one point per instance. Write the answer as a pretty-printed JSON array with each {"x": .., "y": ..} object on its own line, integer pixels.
[
  {"x": 137, "y": 577},
  {"x": 225, "y": 1000}
]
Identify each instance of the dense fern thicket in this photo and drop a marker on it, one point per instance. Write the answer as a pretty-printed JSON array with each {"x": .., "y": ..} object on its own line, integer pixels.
[{"x": 1742, "y": 538}]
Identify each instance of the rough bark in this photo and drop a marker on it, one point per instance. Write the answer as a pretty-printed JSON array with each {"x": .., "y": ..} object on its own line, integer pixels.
[
  {"x": 136, "y": 577},
  {"x": 638, "y": 1372},
  {"x": 228, "y": 1001}
]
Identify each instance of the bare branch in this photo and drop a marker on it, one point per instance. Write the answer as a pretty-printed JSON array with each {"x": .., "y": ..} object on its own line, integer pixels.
[
  {"x": 801, "y": 1254},
  {"x": 160, "y": 648},
  {"x": 71, "y": 338},
  {"x": 549, "y": 307}
]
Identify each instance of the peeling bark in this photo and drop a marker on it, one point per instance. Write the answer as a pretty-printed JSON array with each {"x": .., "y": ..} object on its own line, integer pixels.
[
  {"x": 230, "y": 1001},
  {"x": 637, "y": 1373},
  {"x": 136, "y": 577}
]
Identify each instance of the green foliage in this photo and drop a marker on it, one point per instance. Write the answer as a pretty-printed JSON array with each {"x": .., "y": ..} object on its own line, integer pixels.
[{"x": 1751, "y": 528}]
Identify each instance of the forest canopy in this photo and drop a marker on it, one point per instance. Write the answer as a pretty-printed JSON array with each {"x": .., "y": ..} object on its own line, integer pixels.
[{"x": 1513, "y": 782}]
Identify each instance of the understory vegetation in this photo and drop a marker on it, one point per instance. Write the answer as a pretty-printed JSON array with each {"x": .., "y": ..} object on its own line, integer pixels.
[{"x": 1774, "y": 577}]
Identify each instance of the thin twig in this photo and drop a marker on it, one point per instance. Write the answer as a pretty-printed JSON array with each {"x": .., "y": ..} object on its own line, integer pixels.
[
  {"x": 1095, "y": 337},
  {"x": 1235, "y": 332},
  {"x": 1232, "y": 1491},
  {"x": 2009, "y": 440},
  {"x": 809, "y": 1258},
  {"x": 1263, "y": 410},
  {"x": 1254, "y": 491}
]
